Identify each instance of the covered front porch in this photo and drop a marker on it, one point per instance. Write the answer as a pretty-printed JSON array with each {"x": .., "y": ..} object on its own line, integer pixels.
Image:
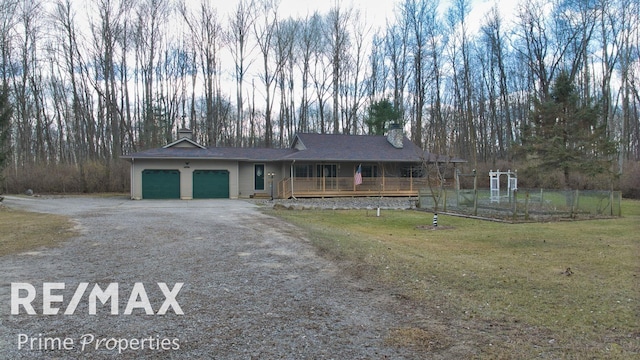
[
  {"x": 345, "y": 186},
  {"x": 318, "y": 179}
]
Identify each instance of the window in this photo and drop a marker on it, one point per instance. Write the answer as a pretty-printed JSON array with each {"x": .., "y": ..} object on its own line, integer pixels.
[
  {"x": 327, "y": 175},
  {"x": 303, "y": 171},
  {"x": 369, "y": 171},
  {"x": 327, "y": 170},
  {"x": 413, "y": 171}
]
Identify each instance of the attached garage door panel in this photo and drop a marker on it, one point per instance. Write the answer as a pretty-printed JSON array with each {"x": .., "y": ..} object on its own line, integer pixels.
[
  {"x": 161, "y": 184},
  {"x": 210, "y": 184}
]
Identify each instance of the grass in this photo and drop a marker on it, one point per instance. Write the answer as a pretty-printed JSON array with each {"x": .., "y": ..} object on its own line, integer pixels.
[
  {"x": 505, "y": 282},
  {"x": 22, "y": 231}
]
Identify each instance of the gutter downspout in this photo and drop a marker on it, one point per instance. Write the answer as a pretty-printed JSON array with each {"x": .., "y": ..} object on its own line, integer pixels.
[{"x": 292, "y": 173}]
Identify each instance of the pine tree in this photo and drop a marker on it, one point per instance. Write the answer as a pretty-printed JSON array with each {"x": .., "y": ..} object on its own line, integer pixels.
[
  {"x": 382, "y": 113},
  {"x": 565, "y": 134}
]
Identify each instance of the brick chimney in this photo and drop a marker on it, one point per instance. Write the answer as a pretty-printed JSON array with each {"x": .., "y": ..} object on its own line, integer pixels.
[{"x": 395, "y": 135}]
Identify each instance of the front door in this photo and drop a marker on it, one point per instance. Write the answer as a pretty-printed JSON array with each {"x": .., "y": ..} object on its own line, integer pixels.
[{"x": 258, "y": 176}]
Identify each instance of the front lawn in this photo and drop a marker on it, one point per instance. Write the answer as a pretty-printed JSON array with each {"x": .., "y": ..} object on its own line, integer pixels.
[{"x": 550, "y": 290}]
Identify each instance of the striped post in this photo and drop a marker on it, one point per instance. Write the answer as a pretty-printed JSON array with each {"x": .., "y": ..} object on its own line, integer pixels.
[{"x": 435, "y": 220}]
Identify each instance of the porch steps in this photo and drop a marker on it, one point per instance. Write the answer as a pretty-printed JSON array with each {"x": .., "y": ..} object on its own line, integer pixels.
[{"x": 260, "y": 196}]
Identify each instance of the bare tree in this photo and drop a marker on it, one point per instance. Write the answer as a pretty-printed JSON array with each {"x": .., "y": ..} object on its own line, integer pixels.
[
  {"x": 240, "y": 24},
  {"x": 321, "y": 73},
  {"x": 339, "y": 41},
  {"x": 552, "y": 42},
  {"x": 130, "y": 142},
  {"x": 24, "y": 70},
  {"x": 285, "y": 60},
  {"x": 106, "y": 31},
  {"x": 175, "y": 66},
  {"x": 305, "y": 49},
  {"x": 8, "y": 10},
  {"x": 83, "y": 96},
  {"x": 378, "y": 72},
  {"x": 265, "y": 32},
  {"x": 206, "y": 34},
  {"x": 460, "y": 55},
  {"x": 356, "y": 93},
  {"x": 417, "y": 19},
  {"x": 396, "y": 49},
  {"x": 499, "y": 103},
  {"x": 627, "y": 15},
  {"x": 614, "y": 25},
  {"x": 79, "y": 123},
  {"x": 438, "y": 128}
]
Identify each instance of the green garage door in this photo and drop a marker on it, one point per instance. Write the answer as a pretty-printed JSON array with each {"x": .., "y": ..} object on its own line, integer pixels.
[
  {"x": 210, "y": 184},
  {"x": 161, "y": 184}
]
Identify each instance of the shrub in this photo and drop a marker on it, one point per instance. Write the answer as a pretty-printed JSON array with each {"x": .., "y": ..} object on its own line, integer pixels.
[{"x": 90, "y": 177}]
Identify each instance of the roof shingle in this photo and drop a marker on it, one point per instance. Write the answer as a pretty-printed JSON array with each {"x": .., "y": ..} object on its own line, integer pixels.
[{"x": 317, "y": 147}]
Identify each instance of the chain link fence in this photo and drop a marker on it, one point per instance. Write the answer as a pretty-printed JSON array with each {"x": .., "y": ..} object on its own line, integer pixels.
[{"x": 524, "y": 204}]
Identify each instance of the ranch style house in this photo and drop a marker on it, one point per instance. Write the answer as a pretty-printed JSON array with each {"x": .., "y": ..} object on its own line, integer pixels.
[{"x": 315, "y": 165}]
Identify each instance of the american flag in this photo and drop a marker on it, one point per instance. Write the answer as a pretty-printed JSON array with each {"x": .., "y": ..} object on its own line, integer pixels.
[{"x": 357, "y": 179}]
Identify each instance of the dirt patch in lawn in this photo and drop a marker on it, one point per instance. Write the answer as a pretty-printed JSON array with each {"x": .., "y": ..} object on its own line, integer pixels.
[{"x": 431, "y": 227}]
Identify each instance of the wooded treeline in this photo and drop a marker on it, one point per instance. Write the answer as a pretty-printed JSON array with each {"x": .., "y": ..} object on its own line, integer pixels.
[{"x": 90, "y": 81}]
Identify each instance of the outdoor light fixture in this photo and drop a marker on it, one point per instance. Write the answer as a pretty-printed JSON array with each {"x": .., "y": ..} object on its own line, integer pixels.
[
  {"x": 271, "y": 175},
  {"x": 186, "y": 164}
]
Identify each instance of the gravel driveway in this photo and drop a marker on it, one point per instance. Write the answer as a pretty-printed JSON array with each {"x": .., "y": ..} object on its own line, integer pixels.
[{"x": 253, "y": 287}]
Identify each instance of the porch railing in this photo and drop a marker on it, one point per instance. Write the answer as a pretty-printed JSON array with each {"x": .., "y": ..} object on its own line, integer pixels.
[{"x": 345, "y": 186}]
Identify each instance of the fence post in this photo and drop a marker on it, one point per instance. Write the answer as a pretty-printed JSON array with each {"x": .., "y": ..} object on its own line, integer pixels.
[
  {"x": 457, "y": 188},
  {"x": 515, "y": 204},
  {"x": 526, "y": 205},
  {"x": 611, "y": 201},
  {"x": 444, "y": 203},
  {"x": 620, "y": 203},
  {"x": 574, "y": 204},
  {"x": 475, "y": 193}
]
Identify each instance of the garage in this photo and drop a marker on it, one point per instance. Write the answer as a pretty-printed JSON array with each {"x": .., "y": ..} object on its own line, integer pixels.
[
  {"x": 161, "y": 184},
  {"x": 210, "y": 184}
]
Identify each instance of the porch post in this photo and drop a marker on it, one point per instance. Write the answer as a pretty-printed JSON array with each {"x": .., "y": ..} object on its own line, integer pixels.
[
  {"x": 291, "y": 177},
  {"x": 410, "y": 178},
  {"x": 354, "y": 179},
  {"x": 383, "y": 180}
]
